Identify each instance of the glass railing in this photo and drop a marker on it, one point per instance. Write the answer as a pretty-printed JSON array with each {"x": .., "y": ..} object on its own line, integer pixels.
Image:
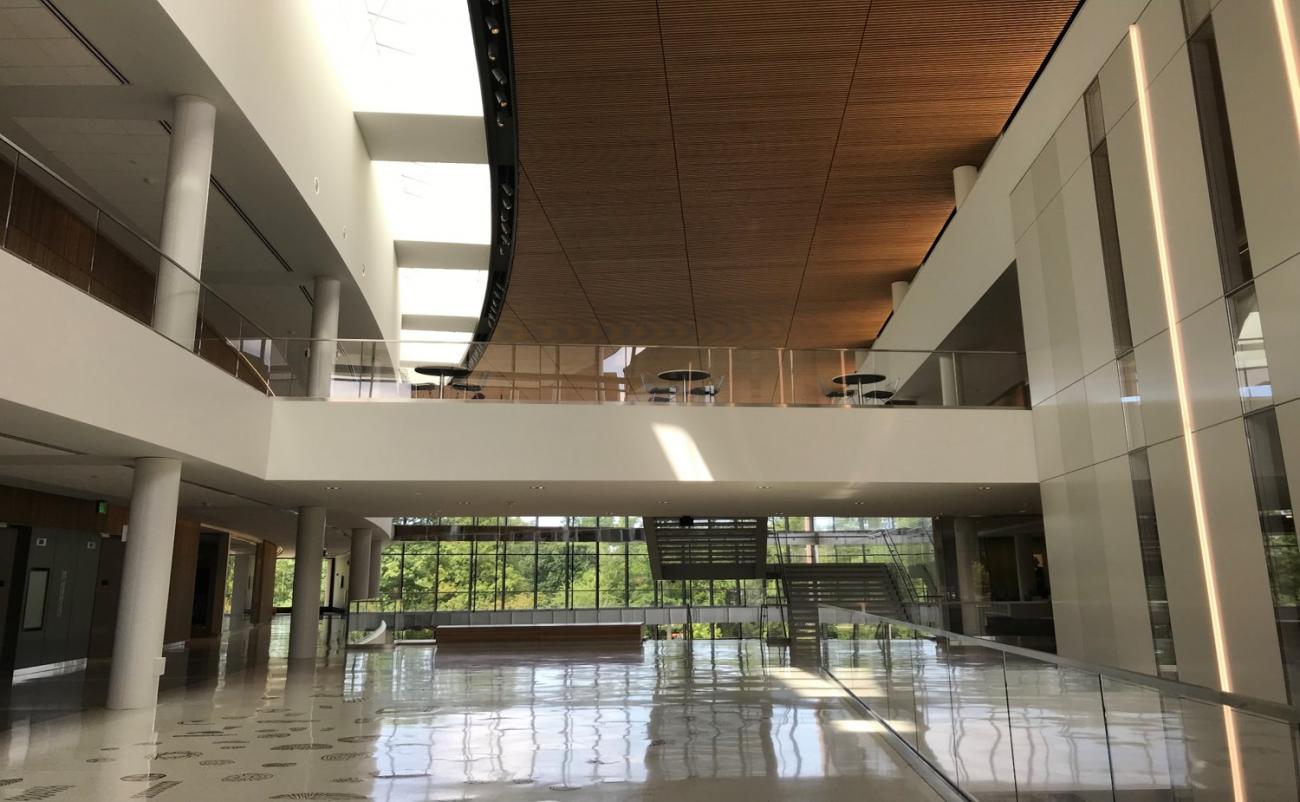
[
  {"x": 1002, "y": 722},
  {"x": 53, "y": 226},
  {"x": 682, "y": 375}
]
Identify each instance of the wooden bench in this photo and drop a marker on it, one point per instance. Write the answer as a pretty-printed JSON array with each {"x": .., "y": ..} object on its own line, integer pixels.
[{"x": 539, "y": 635}]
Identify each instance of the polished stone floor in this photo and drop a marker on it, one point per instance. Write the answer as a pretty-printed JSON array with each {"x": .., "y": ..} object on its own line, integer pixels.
[{"x": 681, "y": 721}]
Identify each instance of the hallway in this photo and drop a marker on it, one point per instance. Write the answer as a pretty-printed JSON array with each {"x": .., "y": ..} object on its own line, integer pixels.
[{"x": 708, "y": 720}]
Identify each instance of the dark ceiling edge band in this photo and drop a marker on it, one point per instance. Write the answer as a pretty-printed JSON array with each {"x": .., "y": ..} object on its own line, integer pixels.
[
  {"x": 86, "y": 43},
  {"x": 490, "y": 25}
]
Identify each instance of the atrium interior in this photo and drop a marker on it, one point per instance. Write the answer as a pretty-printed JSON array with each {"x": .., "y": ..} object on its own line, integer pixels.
[{"x": 692, "y": 399}]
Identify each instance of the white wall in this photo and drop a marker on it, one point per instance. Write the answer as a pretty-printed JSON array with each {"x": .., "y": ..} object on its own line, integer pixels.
[
  {"x": 467, "y": 442},
  {"x": 1081, "y": 437},
  {"x": 84, "y": 376},
  {"x": 270, "y": 58}
]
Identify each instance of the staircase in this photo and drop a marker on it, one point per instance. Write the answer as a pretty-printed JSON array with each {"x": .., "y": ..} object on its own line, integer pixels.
[
  {"x": 707, "y": 548},
  {"x": 870, "y": 586}
]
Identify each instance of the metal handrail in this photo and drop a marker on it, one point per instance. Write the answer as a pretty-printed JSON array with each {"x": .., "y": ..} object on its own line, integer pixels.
[
  {"x": 100, "y": 211},
  {"x": 618, "y": 346},
  {"x": 1200, "y": 693}
]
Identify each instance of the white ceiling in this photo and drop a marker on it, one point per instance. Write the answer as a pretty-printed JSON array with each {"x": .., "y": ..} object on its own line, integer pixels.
[{"x": 37, "y": 50}]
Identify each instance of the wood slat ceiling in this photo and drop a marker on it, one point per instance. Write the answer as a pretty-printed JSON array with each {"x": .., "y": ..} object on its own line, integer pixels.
[{"x": 747, "y": 172}]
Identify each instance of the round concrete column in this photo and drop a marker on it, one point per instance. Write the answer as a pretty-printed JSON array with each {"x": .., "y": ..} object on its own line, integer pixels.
[
  {"x": 185, "y": 217},
  {"x": 304, "y": 621},
  {"x": 359, "y": 565},
  {"x": 324, "y": 336},
  {"x": 146, "y": 580},
  {"x": 377, "y": 543},
  {"x": 963, "y": 180},
  {"x": 897, "y": 292},
  {"x": 949, "y": 383}
]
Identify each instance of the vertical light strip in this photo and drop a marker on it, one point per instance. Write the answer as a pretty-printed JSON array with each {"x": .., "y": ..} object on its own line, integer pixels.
[
  {"x": 1287, "y": 33},
  {"x": 1184, "y": 404}
]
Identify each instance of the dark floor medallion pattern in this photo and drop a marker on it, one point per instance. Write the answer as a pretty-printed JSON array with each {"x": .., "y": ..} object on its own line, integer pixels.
[{"x": 156, "y": 789}]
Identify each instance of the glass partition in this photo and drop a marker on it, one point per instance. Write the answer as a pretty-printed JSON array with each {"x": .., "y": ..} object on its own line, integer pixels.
[
  {"x": 1002, "y": 722},
  {"x": 676, "y": 375}
]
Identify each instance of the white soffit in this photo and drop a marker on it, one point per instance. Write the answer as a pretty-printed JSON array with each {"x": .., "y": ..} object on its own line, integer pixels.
[
  {"x": 456, "y": 255},
  {"x": 423, "y": 137}
]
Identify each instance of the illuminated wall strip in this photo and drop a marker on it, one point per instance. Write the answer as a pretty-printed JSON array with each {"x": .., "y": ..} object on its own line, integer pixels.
[
  {"x": 1184, "y": 403},
  {"x": 1287, "y": 33}
]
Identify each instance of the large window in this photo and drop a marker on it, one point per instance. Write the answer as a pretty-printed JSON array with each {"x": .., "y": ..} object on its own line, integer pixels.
[{"x": 523, "y": 563}]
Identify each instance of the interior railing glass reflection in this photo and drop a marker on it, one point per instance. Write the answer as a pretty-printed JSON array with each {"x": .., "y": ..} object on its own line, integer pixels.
[
  {"x": 1002, "y": 722},
  {"x": 53, "y": 226},
  {"x": 681, "y": 375}
]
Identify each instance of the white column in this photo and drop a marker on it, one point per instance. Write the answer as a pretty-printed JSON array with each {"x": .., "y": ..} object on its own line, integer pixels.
[
  {"x": 359, "y": 565},
  {"x": 239, "y": 589},
  {"x": 185, "y": 216},
  {"x": 304, "y": 622},
  {"x": 897, "y": 292},
  {"x": 324, "y": 334},
  {"x": 146, "y": 581},
  {"x": 963, "y": 179},
  {"x": 376, "y": 558},
  {"x": 948, "y": 382},
  {"x": 968, "y": 552}
]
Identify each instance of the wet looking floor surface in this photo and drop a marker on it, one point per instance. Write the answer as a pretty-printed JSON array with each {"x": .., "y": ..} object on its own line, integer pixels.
[{"x": 675, "y": 720}]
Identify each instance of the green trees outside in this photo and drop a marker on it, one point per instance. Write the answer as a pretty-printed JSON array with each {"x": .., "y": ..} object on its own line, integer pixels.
[{"x": 589, "y": 562}]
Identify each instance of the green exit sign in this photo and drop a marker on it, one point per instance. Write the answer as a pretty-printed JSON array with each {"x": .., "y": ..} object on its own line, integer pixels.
[{"x": 101, "y": 507}]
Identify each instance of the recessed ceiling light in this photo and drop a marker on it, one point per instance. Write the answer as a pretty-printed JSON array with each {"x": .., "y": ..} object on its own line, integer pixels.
[
  {"x": 859, "y": 503},
  {"x": 463, "y": 503},
  {"x": 985, "y": 487},
  {"x": 537, "y": 487},
  {"x": 764, "y": 487},
  {"x": 331, "y": 488},
  {"x": 663, "y": 502}
]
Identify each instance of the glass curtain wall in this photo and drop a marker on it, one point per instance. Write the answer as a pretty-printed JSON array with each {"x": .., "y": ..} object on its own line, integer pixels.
[{"x": 526, "y": 563}]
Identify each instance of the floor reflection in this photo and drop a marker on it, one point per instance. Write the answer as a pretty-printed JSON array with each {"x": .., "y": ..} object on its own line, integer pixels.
[
  {"x": 1009, "y": 727},
  {"x": 708, "y": 720}
]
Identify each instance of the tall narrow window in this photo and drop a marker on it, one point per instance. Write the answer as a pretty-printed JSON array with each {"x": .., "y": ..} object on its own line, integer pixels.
[
  {"x": 1130, "y": 398},
  {"x": 1153, "y": 568},
  {"x": 1249, "y": 357},
  {"x": 1111, "y": 259},
  {"x": 1281, "y": 550},
  {"x": 1220, "y": 165}
]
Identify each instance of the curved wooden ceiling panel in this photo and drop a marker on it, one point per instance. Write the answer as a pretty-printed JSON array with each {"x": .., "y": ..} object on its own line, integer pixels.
[{"x": 748, "y": 172}]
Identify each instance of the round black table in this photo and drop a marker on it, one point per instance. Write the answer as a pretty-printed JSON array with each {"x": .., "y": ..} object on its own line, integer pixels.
[
  {"x": 858, "y": 379},
  {"x": 685, "y": 375},
  {"x": 445, "y": 372}
]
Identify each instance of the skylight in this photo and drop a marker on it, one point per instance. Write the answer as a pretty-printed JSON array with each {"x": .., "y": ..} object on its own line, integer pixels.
[
  {"x": 450, "y": 293},
  {"x": 403, "y": 56},
  {"x": 421, "y": 347},
  {"x": 416, "y": 57},
  {"x": 436, "y": 202}
]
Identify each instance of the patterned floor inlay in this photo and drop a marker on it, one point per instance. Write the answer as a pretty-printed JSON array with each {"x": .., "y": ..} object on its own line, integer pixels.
[{"x": 156, "y": 789}]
